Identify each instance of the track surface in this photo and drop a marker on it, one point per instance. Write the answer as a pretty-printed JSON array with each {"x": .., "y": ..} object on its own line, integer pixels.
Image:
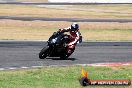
[
  {"x": 25, "y": 53},
  {"x": 64, "y": 19}
]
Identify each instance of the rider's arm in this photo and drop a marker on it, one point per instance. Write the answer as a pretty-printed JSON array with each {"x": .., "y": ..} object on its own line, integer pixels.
[
  {"x": 65, "y": 29},
  {"x": 76, "y": 39}
]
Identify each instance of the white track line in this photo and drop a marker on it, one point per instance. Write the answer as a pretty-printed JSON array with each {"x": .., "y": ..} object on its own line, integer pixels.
[{"x": 94, "y": 64}]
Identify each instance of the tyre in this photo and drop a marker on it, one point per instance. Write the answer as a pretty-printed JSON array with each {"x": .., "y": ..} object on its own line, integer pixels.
[
  {"x": 65, "y": 55},
  {"x": 44, "y": 52}
]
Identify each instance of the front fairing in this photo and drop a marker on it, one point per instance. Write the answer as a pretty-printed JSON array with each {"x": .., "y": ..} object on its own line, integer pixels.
[{"x": 55, "y": 39}]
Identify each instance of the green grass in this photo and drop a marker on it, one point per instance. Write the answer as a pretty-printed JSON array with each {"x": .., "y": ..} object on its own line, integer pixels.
[
  {"x": 41, "y": 33},
  {"x": 99, "y": 11},
  {"x": 107, "y": 35},
  {"x": 33, "y": 1},
  {"x": 61, "y": 77},
  {"x": 41, "y": 30},
  {"x": 120, "y": 7}
]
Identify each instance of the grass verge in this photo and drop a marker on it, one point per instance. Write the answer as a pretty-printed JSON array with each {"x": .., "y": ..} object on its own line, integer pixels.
[
  {"x": 87, "y": 11},
  {"x": 36, "y": 1},
  {"x": 61, "y": 77},
  {"x": 40, "y": 30}
]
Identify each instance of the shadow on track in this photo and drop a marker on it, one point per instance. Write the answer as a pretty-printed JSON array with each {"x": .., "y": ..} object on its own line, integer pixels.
[{"x": 55, "y": 58}]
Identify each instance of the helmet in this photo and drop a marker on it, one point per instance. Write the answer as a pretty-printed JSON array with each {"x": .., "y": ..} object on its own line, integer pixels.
[{"x": 74, "y": 27}]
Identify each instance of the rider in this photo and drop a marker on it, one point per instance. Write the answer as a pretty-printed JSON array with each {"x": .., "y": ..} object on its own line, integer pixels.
[{"x": 75, "y": 36}]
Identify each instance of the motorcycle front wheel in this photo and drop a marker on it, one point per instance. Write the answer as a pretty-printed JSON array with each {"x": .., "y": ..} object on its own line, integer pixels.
[{"x": 44, "y": 52}]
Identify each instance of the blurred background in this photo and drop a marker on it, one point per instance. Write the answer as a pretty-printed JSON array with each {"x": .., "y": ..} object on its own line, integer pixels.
[{"x": 98, "y": 22}]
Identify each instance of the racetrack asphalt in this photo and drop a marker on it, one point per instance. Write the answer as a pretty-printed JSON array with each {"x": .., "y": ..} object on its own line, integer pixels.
[
  {"x": 65, "y": 19},
  {"x": 25, "y": 54}
]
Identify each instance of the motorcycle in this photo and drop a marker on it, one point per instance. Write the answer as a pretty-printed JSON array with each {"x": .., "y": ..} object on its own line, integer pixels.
[{"x": 56, "y": 46}]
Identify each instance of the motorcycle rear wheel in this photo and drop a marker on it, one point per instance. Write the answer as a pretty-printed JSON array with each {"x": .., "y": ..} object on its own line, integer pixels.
[
  {"x": 65, "y": 55},
  {"x": 44, "y": 52}
]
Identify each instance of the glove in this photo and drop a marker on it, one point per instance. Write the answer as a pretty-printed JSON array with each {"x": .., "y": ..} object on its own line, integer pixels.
[{"x": 60, "y": 30}]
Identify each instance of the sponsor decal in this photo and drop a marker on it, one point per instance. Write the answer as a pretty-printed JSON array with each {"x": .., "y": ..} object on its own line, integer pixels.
[{"x": 85, "y": 81}]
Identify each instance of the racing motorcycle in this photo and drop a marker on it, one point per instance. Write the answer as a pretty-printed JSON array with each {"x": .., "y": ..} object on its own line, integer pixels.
[{"x": 56, "y": 46}]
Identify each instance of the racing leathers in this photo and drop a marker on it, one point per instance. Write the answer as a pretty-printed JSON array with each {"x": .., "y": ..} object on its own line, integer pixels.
[{"x": 75, "y": 38}]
